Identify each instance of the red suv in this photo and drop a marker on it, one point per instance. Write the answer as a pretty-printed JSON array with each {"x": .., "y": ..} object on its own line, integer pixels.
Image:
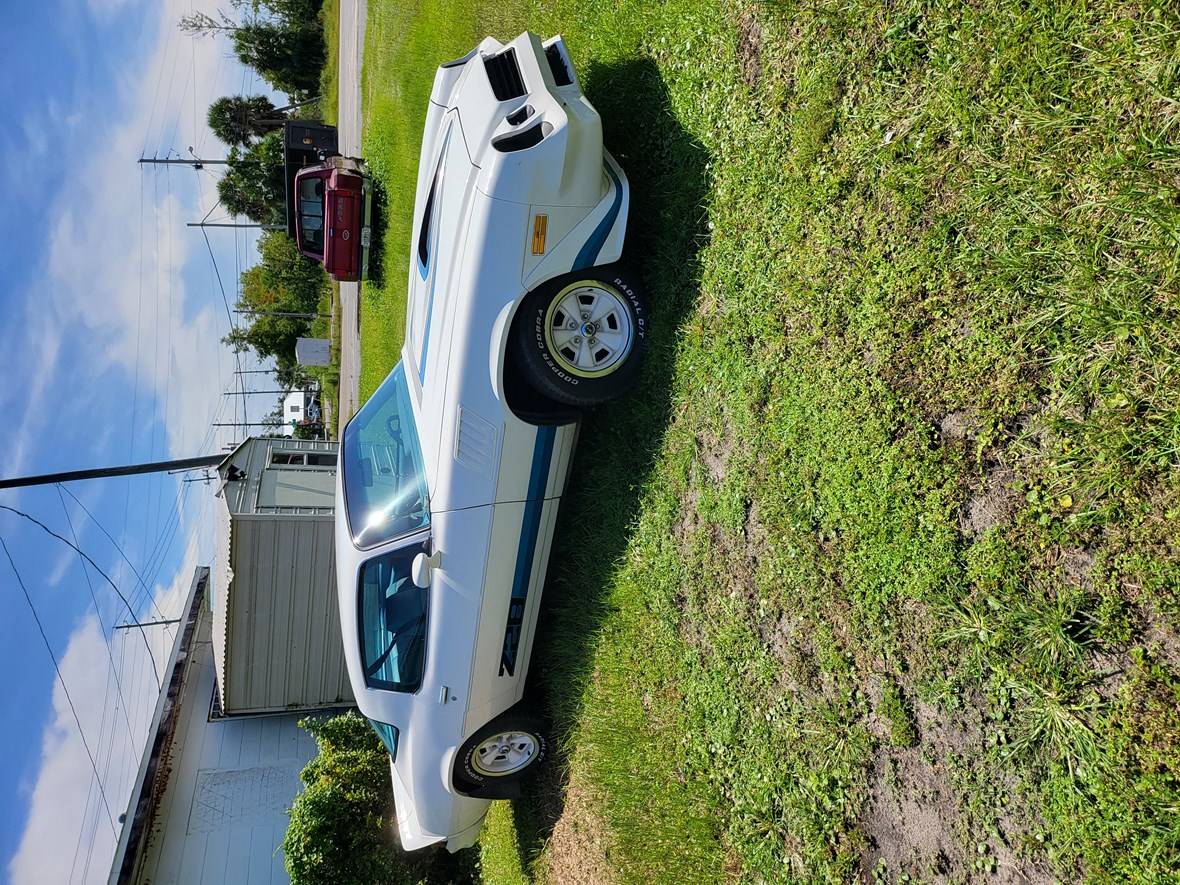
[{"x": 333, "y": 216}]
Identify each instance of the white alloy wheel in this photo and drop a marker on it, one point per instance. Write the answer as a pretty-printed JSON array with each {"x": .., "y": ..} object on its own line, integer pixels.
[
  {"x": 589, "y": 329},
  {"x": 505, "y": 753}
]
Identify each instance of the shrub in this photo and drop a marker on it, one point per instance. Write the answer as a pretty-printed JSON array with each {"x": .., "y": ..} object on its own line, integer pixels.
[{"x": 341, "y": 829}]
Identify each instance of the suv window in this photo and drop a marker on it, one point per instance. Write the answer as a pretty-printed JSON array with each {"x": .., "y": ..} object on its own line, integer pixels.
[
  {"x": 384, "y": 478},
  {"x": 391, "y": 617},
  {"x": 311, "y": 214}
]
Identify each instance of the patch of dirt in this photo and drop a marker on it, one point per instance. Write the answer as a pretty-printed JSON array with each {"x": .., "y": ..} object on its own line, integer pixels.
[
  {"x": 912, "y": 820},
  {"x": 795, "y": 652},
  {"x": 993, "y": 503},
  {"x": 713, "y": 454},
  {"x": 909, "y": 819},
  {"x": 749, "y": 48},
  {"x": 1161, "y": 639},
  {"x": 958, "y": 426},
  {"x": 689, "y": 519},
  {"x": 870, "y": 356},
  {"x": 1010, "y": 867},
  {"x": 944, "y": 733},
  {"x": 1077, "y": 565},
  {"x": 578, "y": 852}
]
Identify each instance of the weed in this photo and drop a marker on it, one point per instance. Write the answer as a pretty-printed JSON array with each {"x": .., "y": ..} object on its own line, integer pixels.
[{"x": 902, "y": 732}]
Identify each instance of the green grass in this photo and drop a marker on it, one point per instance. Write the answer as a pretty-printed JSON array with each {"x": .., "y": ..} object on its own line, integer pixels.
[
  {"x": 891, "y": 517},
  {"x": 499, "y": 848},
  {"x": 329, "y": 102},
  {"x": 404, "y": 44},
  {"x": 329, "y": 375}
]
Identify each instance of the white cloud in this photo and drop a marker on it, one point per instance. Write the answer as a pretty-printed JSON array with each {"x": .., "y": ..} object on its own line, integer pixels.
[
  {"x": 109, "y": 307},
  {"x": 115, "y": 736},
  {"x": 103, "y": 9}
]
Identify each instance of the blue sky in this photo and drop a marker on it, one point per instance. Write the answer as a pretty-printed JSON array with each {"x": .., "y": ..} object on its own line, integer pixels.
[{"x": 111, "y": 353}]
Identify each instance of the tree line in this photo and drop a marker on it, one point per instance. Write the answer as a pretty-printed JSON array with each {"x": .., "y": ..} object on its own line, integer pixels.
[{"x": 283, "y": 41}]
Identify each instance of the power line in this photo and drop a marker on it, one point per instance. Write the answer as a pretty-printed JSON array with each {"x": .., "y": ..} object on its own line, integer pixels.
[
  {"x": 62, "y": 682},
  {"x": 96, "y": 567},
  {"x": 118, "y": 547},
  {"x": 102, "y": 739},
  {"x": 225, "y": 300},
  {"x": 97, "y": 610}
]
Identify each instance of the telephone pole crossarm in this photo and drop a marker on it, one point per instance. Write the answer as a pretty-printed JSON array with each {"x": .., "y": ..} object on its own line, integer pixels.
[{"x": 147, "y": 624}]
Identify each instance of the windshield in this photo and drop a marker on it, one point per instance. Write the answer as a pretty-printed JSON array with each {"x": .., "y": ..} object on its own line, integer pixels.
[
  {"x": 391, "y": 615},
  {"x": 384, "y": 480},
  {"x": 311, "y": 214}
]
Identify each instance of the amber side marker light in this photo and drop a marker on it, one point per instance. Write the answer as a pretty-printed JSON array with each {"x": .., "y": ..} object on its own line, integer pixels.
[{"x": 540, "y": 227}]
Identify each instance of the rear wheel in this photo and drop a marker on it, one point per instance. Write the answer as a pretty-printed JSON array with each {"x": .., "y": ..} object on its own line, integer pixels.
[
  {"x": 579, "y": 339},
  {"x": 492, "y": 762}
]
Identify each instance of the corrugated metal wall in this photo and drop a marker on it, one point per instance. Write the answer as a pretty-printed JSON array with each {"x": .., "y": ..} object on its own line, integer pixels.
[
  {"x": 276, "y": 627},
  {"x": 284, "y": 649}
]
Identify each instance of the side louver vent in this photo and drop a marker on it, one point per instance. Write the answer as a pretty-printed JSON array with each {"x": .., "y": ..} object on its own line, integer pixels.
[
  {"x": 561, "y": 74},
  {"x": 504, "y": 75}
]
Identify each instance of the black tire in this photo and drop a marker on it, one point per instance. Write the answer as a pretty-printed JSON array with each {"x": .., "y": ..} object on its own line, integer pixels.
[
  {"x": 474, "y": 775},
  {"x": 551, "y": 371}
]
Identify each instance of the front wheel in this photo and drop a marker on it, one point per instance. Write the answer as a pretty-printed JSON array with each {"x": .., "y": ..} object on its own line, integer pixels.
[
  {"x": 493, "y": 761},
  {"x": 579, "y": 339}
]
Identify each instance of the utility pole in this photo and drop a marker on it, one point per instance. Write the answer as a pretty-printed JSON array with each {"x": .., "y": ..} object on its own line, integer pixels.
[
  {"x": 18, "y": 482},
  {"x": 237, "y": 424},
  {"x": 253, "y": 392},
  {"x": 240, "y": 225},
  {"x": 254, "y": 372},
  {"x": 288, "y": 314}
]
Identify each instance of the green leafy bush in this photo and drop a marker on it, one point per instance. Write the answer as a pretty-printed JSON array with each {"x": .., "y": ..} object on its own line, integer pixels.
[
  {"x": 282, "y": 282},
  {"x": 341, "y": 829}
]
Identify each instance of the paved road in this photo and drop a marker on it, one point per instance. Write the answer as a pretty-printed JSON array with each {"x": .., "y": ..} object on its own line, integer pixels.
[{"x": 352, "y": 42}]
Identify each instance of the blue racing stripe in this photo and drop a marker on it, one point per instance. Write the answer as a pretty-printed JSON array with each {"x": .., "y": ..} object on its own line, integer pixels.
[
  {"x": 589, "y": 253},
  {"x": 530, "y": 530}
]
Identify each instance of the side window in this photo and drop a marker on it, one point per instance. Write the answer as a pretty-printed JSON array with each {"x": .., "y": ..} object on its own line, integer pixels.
[
  {"x": 385, "y": 495},
  {"x": 314, "y": 460},
  {"x": 311, "y": 214},
  {"x": 391, "y": 619},
  {"x": 428, "y": 219},
  {"x": 389, "y": 735}
]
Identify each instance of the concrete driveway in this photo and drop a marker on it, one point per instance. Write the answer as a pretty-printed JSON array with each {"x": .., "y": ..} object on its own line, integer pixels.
[{"x": 352, "y": 43}]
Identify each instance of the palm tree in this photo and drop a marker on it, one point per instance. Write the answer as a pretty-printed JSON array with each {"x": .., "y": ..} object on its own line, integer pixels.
[{"x": 238, "y": 119}]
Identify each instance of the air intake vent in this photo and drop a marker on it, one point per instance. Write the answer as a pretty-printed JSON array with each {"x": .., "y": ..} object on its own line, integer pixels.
[
  {"x": 504, "y": 75},
  {"x": 561, "y": 74},
  {"x": 524, "y": 140}
]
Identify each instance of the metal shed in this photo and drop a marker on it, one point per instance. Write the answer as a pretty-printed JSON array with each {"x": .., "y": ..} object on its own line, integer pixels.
[{"x": 276, "y": 628}]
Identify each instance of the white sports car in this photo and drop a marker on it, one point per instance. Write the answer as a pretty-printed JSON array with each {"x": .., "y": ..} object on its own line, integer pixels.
[{"x": 518, "y": 318}]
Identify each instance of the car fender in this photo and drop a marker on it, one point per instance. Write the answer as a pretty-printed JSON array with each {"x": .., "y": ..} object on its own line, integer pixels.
[
  {"x": 447, "y": 768},
  {"x": 498, "y": 347},
  {"x": 597, "y": 239}
]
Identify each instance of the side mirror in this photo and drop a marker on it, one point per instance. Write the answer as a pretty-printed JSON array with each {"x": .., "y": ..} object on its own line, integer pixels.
[{"x": 422, "y": 566}]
